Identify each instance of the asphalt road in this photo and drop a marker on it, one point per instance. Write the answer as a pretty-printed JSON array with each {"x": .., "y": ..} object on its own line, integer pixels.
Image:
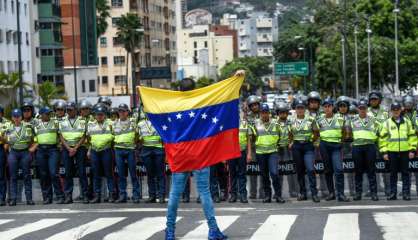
[{"x": 363, "y": 220}]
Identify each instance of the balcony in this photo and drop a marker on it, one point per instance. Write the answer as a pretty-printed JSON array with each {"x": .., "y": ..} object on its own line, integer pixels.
[
  {"x": 264, "y": 23},
  {"x": 243, "y": 32},
  {"x": 48, "y": 10},
  {"x": 265, "y": 52},
  {"x": 265, "y": 37},
  {"x": 51, "y": 63},
  {"x": 244, "y": 47},
  {"x": 50, "y": 37}
]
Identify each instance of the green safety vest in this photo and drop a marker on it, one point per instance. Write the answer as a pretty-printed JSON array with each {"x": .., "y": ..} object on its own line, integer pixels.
[
  {"x": 394, "y": 139},
  {"x": 46, "y": 133},
  {"x": 148, "y": 133},
  {"x": 19, "y": 140},
  {"x": 72, "y": 132},
  {"x": 101, "y": 136},
  {"x": 284, "y": 133},
  {"x": 330, "y": 129},
  {"x": 243, "y": 135},
  {"x": 364, "y": 130},
  {"x": 302, "y": 129},
  {"x": 124, "y": 133},
  {"x": 4, "y": 125},
  {"x": 267, "y": 136}
]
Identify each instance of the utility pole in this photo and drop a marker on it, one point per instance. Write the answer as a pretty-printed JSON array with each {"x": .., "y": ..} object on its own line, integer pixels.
[
  {"x": 74, "y": 57},
  {"x": 396, "y": 11},
  {"x": 356, "y": 58},
  {"x": 344, "y": 65},
  {"x": 19, "y": 53},
  {"x": 369, "y": 54}
]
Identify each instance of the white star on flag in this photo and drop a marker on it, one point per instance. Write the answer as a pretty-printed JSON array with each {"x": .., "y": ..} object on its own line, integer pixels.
[
  {"x": 165, "y": 128},
  {"x": 178, "y": 116},
  {"x": 191, "y": 114},
  {"x": 215, "y": 120},
  {"x": 204, "y": 116},
  {"x": 222, "y": 127},
  {"x": 169, "y": 119}
]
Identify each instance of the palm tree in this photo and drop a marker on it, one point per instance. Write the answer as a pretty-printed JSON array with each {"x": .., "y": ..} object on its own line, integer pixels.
[
  {"x": 130, "y": 32},
  {"x": 9, "y": 87},
  {"x": 103, "y": 13},
  {"x": 48, "y": 91}
]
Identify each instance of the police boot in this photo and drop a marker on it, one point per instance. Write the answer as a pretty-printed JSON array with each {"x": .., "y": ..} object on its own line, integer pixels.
[
  {"x": 315, "y": 199},
  {"x": 343, "y": 198},
  {"x": 85, "y": 200},
  {"x": 161, "y": 200},
  {"x": 216, "y": 234},
  {"x": 374, "y": 197},
  {"x": 151, "y": 200},
  {"x": 96, "y": 199},
  {"x": 60, "y": 200},
  {"x": 406, "y": 197},
  {"x": 216, "y": 199},
  {"x": 12, "y": 203},
  {"x": 198, "y": 199},
  {"x": 331, "y": 196},
  {"x": 280, "y": 200},
  {"x": 392, "y": 197},
  {"x": 233, "y": 198},
  {"x": 244, "y": 199},
  {"x": 47, "y": 201},
  {"x": 121, "y": 199},
  {"x": 68, "y": 199},
  {"x": 224, "y": 195},
  {"x": 186, "y": 199},
  {"x": 302, "y": 197},
  {"x": 357, "y": 197},
  {"x": 2, "y": 202},
  {"x": 267, "y": 199},
  {"x": 30, "y": 202}
]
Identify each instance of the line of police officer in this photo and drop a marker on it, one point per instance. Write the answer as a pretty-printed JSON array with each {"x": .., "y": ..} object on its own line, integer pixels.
[
  {"x": 324, "y": 134},
  {"x": 71, "y": 135}
]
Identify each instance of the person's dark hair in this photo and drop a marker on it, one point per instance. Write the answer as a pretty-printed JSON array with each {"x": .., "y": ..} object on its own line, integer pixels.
[{"x": 187, "y": 84}]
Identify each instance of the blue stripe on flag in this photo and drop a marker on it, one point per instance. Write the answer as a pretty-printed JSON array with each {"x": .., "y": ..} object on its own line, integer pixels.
[{"x": 196, "y": 124}]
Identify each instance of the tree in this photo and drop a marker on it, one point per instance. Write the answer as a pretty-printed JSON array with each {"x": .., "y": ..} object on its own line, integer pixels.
[
  {"x": 10, "y": 86},
  {"x": 103, "y": 13},
  {"x": 48, "y": 91},
  {"x": 204, "y": 81}
]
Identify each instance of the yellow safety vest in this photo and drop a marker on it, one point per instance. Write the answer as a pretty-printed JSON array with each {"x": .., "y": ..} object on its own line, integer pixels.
[
  {"x": 101, "y": 136},
  {"x": 4, "y": 125},
  {"x": 284, "y": 133},
  {"x": 302, "y": 129},
  {"x": 330, "y": 129},
  {"x": 397, "y": 139},
  {"x": 243, "y": 135},
  {"x": 19, "y": 140},
  {"x": 267, "y": 136},
  {"x": 72, "y": 132},
  {"x": 46, "y": 133},
  {"x": 364, "y": 130},
  {"x": 124, "y": 133},
  {"x": 148, "y": 134}
]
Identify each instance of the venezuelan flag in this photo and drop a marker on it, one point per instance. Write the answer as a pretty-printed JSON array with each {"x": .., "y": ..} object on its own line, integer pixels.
[{"x": 199, "y": 128}]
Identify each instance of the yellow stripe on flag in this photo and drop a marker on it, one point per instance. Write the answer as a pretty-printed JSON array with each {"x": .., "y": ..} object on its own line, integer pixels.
[{"x": 165, "y": 101}]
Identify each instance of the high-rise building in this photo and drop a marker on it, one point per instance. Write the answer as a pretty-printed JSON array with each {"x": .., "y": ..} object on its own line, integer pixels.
[
  {"x": 157, "y": 48},
  {"x": 80, "y": 47}
]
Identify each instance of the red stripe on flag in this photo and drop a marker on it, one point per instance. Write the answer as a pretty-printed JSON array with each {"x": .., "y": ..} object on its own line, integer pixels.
[{"x": 198, "y": 154}]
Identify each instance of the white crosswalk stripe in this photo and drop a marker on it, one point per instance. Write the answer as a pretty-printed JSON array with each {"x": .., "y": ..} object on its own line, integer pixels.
[
  {"x": 201, "y": 232},
  {"x": 342, "y": 226},
  {"x": 147, "y": 226},
  {"x": 398, "y": 225},
  {"x": 85, "y": 229},
  {"x": 30, "y": 227},
  {"x": 275, "y": 225},
  {"x": 4, "y": 221}
]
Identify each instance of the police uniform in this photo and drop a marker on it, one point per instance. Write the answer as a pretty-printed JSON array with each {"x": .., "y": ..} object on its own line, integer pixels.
[
  {"x": 101, "y": 138},
  {"x": 398, "y": 139},
  {"x": 47, "y": 159},
  {"x": 256, "y": 182},
  {"x": 152, "y": 153},
  {"x": 125, "y": 144},
  {"x": 4, "y": 124},
  {"x": 72, "y": 132}
]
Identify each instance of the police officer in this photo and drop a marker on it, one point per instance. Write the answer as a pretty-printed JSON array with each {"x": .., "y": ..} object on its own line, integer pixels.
[
  {"x": 266, "y": 133},
  {"x": 114, "y": 115},
  {"x": 314, "y": 103},
  {"x": 218, "y": 182},
  {"x": 28, "y": 111},
  {"x": 59, "y": 109},
  {"x": 19, "y": 138},
  {"x": 282, "y": 110},
  {"x": 398, "y": 144},
  {"x": 152, "y": 153},
  {"x": 4, "y": 124},
  {"x": 363, "y": 130},
  {"x": 302, "y": 133},
  {"x": 72, "y": 131},
  {"x": 125, "y": 133},
  {"x": 85, "y": 110},
  {"x": 47, "y": 156},
  {"x": 331, "y": 127},
  {"x": 238, "y": 166},
  {"x": 381, "y": 115},
  {"x": 99, "y": 133}
]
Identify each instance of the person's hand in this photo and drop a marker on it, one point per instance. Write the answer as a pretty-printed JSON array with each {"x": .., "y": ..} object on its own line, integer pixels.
[
  {"x": 411, "y": 155},
  {"x": 32, "y": 149},
  {"x": 240, "y": 73},
  {"x": 249, "y": 158},
  {"x": 72, "y": 152},
  {"x": 386, "y": 157},
  {"x": 290, "y": 146},
  {"x": 88, "y": 154}
]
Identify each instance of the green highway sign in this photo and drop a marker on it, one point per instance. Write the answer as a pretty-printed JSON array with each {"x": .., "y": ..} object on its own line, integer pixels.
[{"x": 291, "y": 68}]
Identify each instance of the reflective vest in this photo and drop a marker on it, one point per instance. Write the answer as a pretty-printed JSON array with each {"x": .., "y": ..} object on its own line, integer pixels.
[
  {"x": 148, "y": 134},
  {"x": 267, "y": 136},
  {"x": 397, "y": 139},
  {"x": 72, "y": 131},
  {"x": 19, "y": 140},
  {"x": 124, "y": 132},
  {"x": 284, "y": 133},
  {"x": 364, "y": 130},
  {"x": 4, "y": 125},
  {"x": 243, "y": 135},
  {"x": 46, "y": 133},
  {"x": 330, "y": 129},
  {"x": 302, "y": 129},
  {"x": 380, "y": 114},
  {"x": 101, "y": 136}
]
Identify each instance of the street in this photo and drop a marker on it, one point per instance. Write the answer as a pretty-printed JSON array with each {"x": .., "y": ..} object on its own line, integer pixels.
[{"x": 364, "y": 220}]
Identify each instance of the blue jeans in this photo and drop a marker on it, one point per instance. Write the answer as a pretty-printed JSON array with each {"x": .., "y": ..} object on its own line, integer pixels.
[
  {"x": 399, "y": 163},
  {"x": 20, "y": 159},
  {"x": 47, "y": 161},
  {"x": 303, "y": 154},
  {"x": 332, "y": 155},
  {"x": 80, "y": 160},
  {"x": 237, "y": 175},
  {"x": 154, "y": 160},
  {"x": 2, "y": 173},
  {"x": 269, "y": 165},
  {"x": 102, "y": 160},
  {"x": 123, "y": 157},
  {"x": 178, "y": 181}
]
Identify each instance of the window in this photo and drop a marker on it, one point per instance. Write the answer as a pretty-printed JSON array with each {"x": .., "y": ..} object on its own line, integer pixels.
[
  {"x": 47, "y": 52},
  {"x": 12, "y": 6},
  {"x": 195, "y": 44},
  {"x": 206, "y": 44},
  {"x": 83, "y": 86},
  {"x": 25, "y": 7},
  {"x": 103, "y": 61},
  {"x": 15, "y": 37},
  {"x": 1, "y": 67},
  {"x": 5, "y": 5},
  {"x": 1, "y": 35},
  {"x": 9, "y": 66},
  {"x": 27, "y": 39},
  {"x": 103, "y": 41},
  {"x": 117, "y": 3},
  {"x": 105, "y": 80},
  {"x": 120, "y": 80},
  {"x": 8, "y": 36},
  {"x": 118, "y": 60},
  {"x": 37, "y": 51},
  {"x": 92, "y": 85},
  {"x": 114, "y": 21},
  {"x": 117, "y": 41},
  {"x": 1, "y": 4}
]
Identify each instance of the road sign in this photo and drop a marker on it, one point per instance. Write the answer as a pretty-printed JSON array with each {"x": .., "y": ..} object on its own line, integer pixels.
[{"x": 292, "y": 68}]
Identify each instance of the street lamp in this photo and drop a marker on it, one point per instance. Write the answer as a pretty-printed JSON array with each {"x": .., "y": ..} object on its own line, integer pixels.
[
  {"x": 139, "y": 30},
  {"x": 369, "y": 58},
  {"x": 356, "y": 57},
  {"x": 302, "y": 50},
  {"x": 19, "y": 53},
  {"x": 74, "y": 57},
  {"x": 396, "y": 11},
  {"x": 344, "y": 65}
]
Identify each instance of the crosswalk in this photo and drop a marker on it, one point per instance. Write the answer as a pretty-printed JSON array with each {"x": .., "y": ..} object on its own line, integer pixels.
[{"x": 336, "y": 226}]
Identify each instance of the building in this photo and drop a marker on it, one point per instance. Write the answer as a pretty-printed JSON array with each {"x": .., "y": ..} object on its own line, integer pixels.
[
  {"x": 79, "y": 38},
  {"x": 9, "y": 39},
  {"x": 157, "y": 49}
]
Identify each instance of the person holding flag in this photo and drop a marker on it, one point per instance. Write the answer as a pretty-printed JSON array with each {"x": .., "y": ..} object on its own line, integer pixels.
[{"x": 199, "y": 128}]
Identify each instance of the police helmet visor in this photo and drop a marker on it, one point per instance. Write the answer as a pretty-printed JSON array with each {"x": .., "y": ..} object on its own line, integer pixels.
[{"x": 27, "y": 109}]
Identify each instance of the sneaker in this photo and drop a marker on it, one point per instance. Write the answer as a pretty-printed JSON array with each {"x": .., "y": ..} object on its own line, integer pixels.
[{"x": 216, "y": 234}]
